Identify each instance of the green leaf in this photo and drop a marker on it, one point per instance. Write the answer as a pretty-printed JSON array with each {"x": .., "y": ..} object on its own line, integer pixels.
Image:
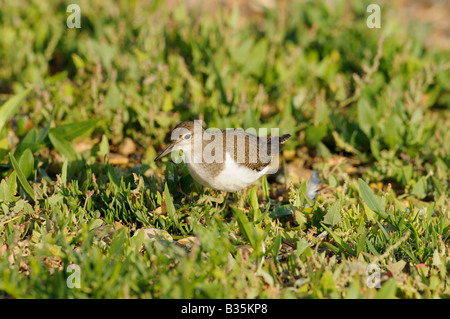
[
  {"x": 11, "y": 106},
  {"x": 327, "y": 283},
  {"x": 171, "y": 211},
  {"x": 392, "y": 136},
  {"x": 333, "y": 216},
  {"x": 12, "y": 183},
  {"x": 371, "y": 247},
  {"x": 276, "y": 245},
  {"x": 64, "y": 172},
  {"x": 314, "y": 134},
  {"x": 26, "y": 163},
  {"x": 370, "y": 214},
  {"x": 334, "y": 249},
  {"x": 104, "y": 146},
  {"x": 137, "y": 240},
  {"x": 267, "y": 276},
  {"x": 73, "y": 130},
  {"x": 366, "y": 117},
  {"x": 43, "y": 133},
  {"x": 420, "y": 189},
  {"x": 300, "y": 218},
  {"x": 342, "y": 144},
  {"x": 255, "y": 204},
  {"x": 373, "y": 201},
  {"x": 387, "y": 290},
  {"x": 437, "y": 261},
  {"x": 29, "y": 141},
  {"x": 254, "y": 198},
  {"x": 258, "y": 54},
  {"x": 77, "y": 61},
  {"x": 167, "y": 105},
  {"x": 265, "y": 187},
  {"x": 339, "y": 240},
  {"x": 63, "y": 146},
  {"x": 302, "y": 245},
  {"x": 241, "y": 52},
  {"x": 113, "y": 98},
  {"x": 247, "y": 229},
  {"x": 34, "y": 139},
  {"x": 282, "y": 210},
  {"x": 3, "y": 146},
  {"x": 223, "y": 94},
  {"x": 96, "y": 223},
  {"x": 383, "y": 231},
  {"x": 5, "y": 192},
  {"x": 361, "y": 245},
  {"x": 375, "y": 148},
  {"x": 22, "y": 179},
  {"x": 251, "y": 118},
  {"x": 307, "y": 191},
  {"x": 21, "y": 125},
  {"x": 112, "y": 176}
]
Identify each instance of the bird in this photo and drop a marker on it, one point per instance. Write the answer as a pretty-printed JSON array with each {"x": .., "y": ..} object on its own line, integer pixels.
[{"x": 226, "y": 160}]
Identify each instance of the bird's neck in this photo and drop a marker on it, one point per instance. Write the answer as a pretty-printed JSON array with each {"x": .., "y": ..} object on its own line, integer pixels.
[{"x": 207, "y": 147}]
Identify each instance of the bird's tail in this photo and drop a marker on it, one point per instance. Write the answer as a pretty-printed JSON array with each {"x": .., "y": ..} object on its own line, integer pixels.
[
  {"x": 284, "y": 138},
  {"x": 274, "y": 143}
]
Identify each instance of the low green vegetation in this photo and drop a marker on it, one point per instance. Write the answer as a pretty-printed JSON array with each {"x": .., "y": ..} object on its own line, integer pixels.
[{"x": 85, "y": 111}]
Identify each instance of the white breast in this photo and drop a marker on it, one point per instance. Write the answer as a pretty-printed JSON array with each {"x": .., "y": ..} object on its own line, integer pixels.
[{"x": 233, "y": 178}]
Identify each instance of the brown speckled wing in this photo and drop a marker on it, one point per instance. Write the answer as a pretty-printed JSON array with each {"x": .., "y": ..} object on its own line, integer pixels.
[
  {"x": 245, "y": 148},
  {"x": 252, "y": 151}
]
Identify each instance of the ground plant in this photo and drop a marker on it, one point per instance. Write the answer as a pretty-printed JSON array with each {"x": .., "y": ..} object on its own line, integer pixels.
[{"x": 88, "y": 98}]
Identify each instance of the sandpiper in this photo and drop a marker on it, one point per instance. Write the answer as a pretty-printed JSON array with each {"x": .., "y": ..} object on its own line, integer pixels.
[{"x": 226, "y": 160}]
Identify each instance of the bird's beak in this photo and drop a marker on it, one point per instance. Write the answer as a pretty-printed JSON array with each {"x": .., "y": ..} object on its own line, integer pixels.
[{"x": 166, "y": 151}]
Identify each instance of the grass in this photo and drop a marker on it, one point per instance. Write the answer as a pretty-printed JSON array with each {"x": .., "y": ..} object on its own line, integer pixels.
[{"x": 85, "y": 111}]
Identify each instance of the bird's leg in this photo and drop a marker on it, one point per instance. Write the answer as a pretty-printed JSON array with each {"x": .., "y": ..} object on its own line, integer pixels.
[
  {"x": 225, "y": 196},
  {"x": 241, "y": 199},
  {"x": 184, "y": 194}
]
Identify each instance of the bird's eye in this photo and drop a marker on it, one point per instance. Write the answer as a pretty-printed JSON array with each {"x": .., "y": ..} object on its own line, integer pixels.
[{"x": 187, "y": 136}]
